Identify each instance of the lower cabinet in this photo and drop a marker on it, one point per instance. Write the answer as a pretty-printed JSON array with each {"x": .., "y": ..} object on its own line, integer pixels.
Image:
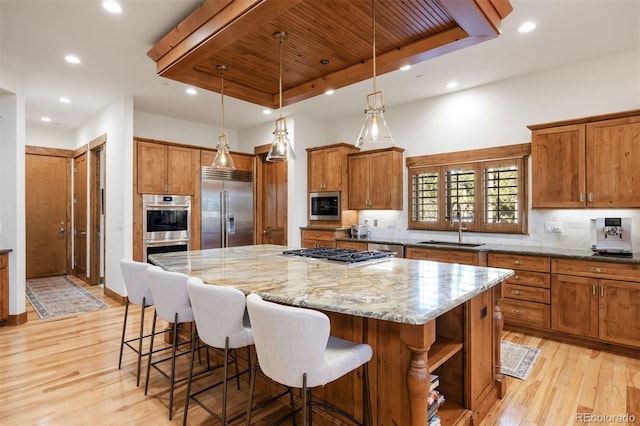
[
  {"x": 583, "y": 304},
  {"x": 353, "y": 245},
  {"x": 322, "y": 237},
  {"x": 463, "y": 257},
  {"x": 4, "y": 287}
]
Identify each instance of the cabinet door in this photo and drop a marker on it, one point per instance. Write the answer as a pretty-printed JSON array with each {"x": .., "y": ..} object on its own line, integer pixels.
[
  {"x": 4, "y": 287},
  {"x": 180, "y": 167},
  {"x": 574, "y": 305},
  {"x": 152, "y": 168},
  {"x": 333, "y": 169},
  {"x": 558, "y": 167},
  {"x": 380, "y": 181},
  {"x": 359, "y": 182},
  {"x": 316, "y": 171},
  {"x": 620, "y": 312},
  {"x": 613, "y": 156}
]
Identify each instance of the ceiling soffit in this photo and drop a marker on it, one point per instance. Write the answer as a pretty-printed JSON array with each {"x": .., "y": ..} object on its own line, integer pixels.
[{"x": 239, "y": 34}]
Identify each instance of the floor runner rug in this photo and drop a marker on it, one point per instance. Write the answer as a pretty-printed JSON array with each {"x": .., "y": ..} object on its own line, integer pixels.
[
  {"x": 517, "y": 360},
  {"x": 59, "y": 296}
]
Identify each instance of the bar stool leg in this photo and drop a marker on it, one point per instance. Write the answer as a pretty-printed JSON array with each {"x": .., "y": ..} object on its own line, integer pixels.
[
  {"x": 252, "y": 383},
  {"x": 194, "y": 336},
  {"x": 124, "y": 328},
  {"x": 153, "y": 333},
  {"x": 173, "y": 365}
]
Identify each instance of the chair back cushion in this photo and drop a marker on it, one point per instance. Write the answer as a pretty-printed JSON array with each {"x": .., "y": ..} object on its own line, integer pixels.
[
  {"x": 170, "y": 295},
  {"x": 289, "y": 341},
  {"x": 219, "y": 313},
  {"x": 135, "y": 281}
]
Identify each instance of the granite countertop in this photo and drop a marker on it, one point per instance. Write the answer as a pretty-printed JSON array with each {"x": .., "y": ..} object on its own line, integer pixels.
[
  {"x": 511, "y": 249},
  {"x": 4, "y": 251},
  {"x": 398, "y": 290}
]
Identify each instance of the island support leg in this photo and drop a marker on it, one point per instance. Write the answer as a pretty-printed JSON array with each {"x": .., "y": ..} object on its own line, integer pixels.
[
  {"x": 498, "y": 322},
  {"x": 418, "y": 385}
]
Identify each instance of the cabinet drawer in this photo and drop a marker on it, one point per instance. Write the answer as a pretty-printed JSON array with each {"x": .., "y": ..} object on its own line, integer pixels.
[
  {"x": 514, "y": 261},
  {"x": 446, "y": 256},
  {"x": 523, "y": 292},
  {"x": 526, "y": 313},
  {"x": 535, "y": 279},
  {"x": 318, "y": 235},
  {"x": 318, "y": 243},
  {"x": 354, "y": 245},
  {"x": 594, "y": 269}
]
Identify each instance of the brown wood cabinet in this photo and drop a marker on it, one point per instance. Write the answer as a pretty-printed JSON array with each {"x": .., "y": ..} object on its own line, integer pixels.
[
  {"x": 354, "y": 245},
  {"x": 322, "y": 237},
  {"x": 4, "y": 287},
  {"x": 590, "y": 162},
  {"x": 241, "y": 160},
  {"x": 526, "y": 294},
  {"x": 465, "y": 257},
  {"x": 375, "y": 179},
  {"x": 327, "y": 167},
  {"x": 587, "y": 302},
  {"x": 166, "y": 169}
]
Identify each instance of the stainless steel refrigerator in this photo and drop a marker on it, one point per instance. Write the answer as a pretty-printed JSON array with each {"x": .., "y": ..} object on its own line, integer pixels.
[{"x": 227, "y": 208}]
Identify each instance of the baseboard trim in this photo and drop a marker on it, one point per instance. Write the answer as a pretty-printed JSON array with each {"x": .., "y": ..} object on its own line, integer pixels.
[
  {"x": 118, "y": 298},
  {"x": 17, "y": 319}
]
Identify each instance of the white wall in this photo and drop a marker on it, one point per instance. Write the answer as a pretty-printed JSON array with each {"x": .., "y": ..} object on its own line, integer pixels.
[
  {"x": 497, "y": 114},
  {"x": 158, "y": 127},
  {"x": 12, "y": 175},
  {"x": 50, "y": 137}
]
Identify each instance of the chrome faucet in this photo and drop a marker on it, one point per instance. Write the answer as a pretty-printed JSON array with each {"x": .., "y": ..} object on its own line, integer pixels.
[{"x": 458, "y": 214}]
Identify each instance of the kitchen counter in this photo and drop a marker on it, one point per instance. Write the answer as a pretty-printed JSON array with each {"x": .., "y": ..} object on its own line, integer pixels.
[
  {"x": 413, "y": 313},
  {"x": 498, "y": 248},
  {"x": 398, "y": 290},
  {"x": 4, "y": 251}
]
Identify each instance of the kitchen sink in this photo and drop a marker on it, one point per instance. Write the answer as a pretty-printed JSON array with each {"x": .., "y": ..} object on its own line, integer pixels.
[{"x": 449, "y": 243}]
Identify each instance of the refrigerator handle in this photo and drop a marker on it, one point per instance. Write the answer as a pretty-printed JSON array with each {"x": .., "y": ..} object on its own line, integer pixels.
[{"x": 227, "y": 219}]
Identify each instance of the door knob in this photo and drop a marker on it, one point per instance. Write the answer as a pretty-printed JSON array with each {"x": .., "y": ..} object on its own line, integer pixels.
[{"x": 61, "y": 229}]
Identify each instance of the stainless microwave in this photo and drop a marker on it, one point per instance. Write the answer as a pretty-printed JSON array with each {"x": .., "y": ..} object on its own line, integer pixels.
[{"x": 324, "y": 206}]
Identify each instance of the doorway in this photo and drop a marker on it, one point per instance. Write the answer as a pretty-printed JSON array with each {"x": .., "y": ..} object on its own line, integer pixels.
[
  {"x": 271, "y": 199},
  {"x": 80, "y": 216},
  {"x": 97, "y": 176},
  {"x": 48, "y": 211}
]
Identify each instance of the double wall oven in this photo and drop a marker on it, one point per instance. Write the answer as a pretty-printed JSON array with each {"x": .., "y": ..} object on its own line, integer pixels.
[{"x": 166, "y": 223}]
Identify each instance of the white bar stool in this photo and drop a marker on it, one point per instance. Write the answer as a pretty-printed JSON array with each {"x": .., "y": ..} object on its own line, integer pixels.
[{"x": 295, "y": 348}]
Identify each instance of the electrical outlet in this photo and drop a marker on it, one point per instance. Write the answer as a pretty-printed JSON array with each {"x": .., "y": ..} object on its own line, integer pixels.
[
  {"x": 375, "y": 222},
  {"x": 555, "y": 227}
]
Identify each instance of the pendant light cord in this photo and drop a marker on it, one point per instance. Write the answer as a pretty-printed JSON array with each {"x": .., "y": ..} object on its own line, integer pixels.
[
  {"x": 222, "y": 98},
  {"x": 280, "y": 72},
  {"x": 373, "y": 19}
]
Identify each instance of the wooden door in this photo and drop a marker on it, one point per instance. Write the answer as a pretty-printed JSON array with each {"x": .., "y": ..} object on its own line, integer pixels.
[
  {"x": 359, "y": 182},
  {"x": 574, "y": 305},
  {"x": 316, "y": 173},
  {"x": 271, "y": 202},
  {"x": 380, "y": 183},
  {"x": 181, "y": 173},
  {"x": 613, "y": 156},
  {"x": 80, "y": 216},
  {"x": 47, "y": 199},
  {"x": 333, "y": 169},
  {"x": 620, "y": 312},
  {"x": 558, "y": 167}
]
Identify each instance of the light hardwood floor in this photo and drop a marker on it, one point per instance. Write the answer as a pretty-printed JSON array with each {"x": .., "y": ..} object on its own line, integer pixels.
[{"x": 65, "y": 372}]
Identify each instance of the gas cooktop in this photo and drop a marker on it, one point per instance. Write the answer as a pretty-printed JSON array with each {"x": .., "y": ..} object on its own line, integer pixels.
[{"x": 340, "y": 254}]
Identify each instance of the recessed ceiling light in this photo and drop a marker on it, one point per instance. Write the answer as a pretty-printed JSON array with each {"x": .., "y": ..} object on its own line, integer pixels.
[
  {"x": 452, "y": 85},
  {"x": 405, "y": 68},
  {"x": 112, "y": 6},
  {"x": 329, "y": 92},
  {"x": 72, "y": 59},
  {"x": 526, "y": 27},
  {"x": 64, "y": 100},
  {"x": 47, "y": 119},
  {"x": 191, "y": 91},
  {"x": 267, "y": 111}
]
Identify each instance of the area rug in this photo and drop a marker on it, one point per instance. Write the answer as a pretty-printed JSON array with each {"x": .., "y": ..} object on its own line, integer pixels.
[
  {"x": 59, "y": 296},
  {"x": 517, "y": 360}
]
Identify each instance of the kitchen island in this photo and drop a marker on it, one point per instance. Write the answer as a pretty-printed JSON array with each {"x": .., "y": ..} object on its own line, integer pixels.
[{"x": 420, "y": 317}]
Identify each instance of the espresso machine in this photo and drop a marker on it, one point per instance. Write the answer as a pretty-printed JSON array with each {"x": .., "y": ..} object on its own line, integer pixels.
[{"x": 613, "y": 235}]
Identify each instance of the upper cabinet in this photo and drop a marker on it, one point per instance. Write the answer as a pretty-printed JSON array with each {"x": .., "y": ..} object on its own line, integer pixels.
[
  {"x": 166, "y": 169},
  {"x": 327, "y": 167},
  {"x": 375, "y": 179},
  {"x": 242, "y": 161},
  {"x": 591, "y": 162}
]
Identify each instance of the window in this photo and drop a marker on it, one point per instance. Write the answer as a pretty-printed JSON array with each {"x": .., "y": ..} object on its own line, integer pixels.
[{"x": 486, "y": 191}]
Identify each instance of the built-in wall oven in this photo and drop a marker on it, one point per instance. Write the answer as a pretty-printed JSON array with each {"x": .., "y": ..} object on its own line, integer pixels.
[{"x": 166, "y": 223}]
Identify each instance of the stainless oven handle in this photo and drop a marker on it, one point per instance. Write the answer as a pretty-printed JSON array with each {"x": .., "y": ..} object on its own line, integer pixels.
[
  {"x": 155, "y": 243},
  {"x": 166, "y": 207}
]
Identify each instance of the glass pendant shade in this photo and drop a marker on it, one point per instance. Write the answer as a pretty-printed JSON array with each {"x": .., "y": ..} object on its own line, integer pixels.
[
  {"x": 375, "y": 128},
  {"x": 281, "y": 150},
  {"x": 223, "y": 159}
]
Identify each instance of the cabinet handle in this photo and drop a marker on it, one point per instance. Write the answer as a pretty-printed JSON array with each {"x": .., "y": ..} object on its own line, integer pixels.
[
  {"x": 517, "y": 277},
  {"x": 598, "y": 270},
  {"x": 582, "y": 197},
  {"x": 601, "y": 291},
  {"x": 517, "y": 292},
  {"x": 593, "y": 288},
  {"x": 518, "y": 262},
  {"x": 591, "y": 197},
  {"x": 516, "y": 312}
]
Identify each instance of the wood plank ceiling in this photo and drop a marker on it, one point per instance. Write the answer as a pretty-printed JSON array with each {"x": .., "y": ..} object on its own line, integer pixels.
[{"x": 329, "y": 42}]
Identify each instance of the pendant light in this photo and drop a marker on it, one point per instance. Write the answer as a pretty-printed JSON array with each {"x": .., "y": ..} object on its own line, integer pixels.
[
  {"x": 223, "y": 159},
  {"x": 281, "y": 150},
  {"x": 375, "y": 128}
]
